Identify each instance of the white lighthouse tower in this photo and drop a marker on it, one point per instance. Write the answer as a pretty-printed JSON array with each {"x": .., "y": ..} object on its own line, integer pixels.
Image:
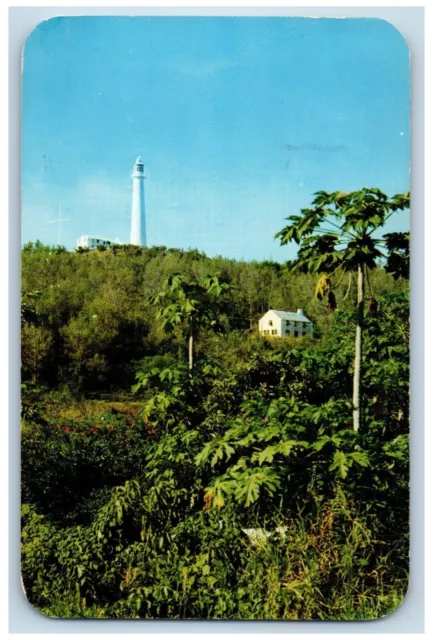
[{"x": 138, "y": 215}]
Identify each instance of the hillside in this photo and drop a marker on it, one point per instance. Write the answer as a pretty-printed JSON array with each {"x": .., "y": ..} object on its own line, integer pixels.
[
  {"x": 94, "y": 321},
  {"x": 236, "y": 489}
]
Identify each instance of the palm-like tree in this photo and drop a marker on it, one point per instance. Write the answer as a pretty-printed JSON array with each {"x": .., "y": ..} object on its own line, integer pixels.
[
  {"x": 340, "y": 233},
  {"x": 193, "y": 304}
]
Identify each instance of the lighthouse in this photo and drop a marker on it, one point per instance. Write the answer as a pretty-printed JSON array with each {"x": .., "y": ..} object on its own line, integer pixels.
[{"x": 138, "y": 215}]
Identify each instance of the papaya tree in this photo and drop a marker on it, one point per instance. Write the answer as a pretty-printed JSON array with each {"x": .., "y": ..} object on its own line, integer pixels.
[
  {"x": 341, "y": 233},
  {"x": 193, "y": 304}
]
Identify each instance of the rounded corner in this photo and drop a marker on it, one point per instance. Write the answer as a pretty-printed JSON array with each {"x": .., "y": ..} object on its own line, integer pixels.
[
  {"x": 398, "y": 31},
  {"x": 38, "y": 27},
  {"x": 29, "y": 603},
  {"x": 398, "y": 605}
]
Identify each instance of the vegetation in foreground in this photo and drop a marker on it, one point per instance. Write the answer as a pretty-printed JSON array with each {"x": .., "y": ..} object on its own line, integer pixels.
[{"x": 237, "y": 488}]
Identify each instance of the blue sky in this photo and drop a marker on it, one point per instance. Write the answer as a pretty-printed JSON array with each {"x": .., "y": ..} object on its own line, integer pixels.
[{"x": 238, "y": 122}]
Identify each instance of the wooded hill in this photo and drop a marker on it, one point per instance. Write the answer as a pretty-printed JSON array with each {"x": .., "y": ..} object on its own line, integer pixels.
[
  {"x": 238, "y": 489},
  {"x": 90, "y": 321}
]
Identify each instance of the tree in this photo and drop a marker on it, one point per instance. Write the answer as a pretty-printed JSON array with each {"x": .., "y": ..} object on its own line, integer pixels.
[
  {"x": 29, "y": 312},
  {"x": 353, "y": 245},
  {"x": 36, "y": 345},
  {"x": 39, "y": 247},
  {"x": 190, "y": 303}
]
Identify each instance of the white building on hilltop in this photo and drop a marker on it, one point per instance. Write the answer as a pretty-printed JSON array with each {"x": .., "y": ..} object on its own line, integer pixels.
[
  {"x": 138, "y": 216},
  {"x": 285, "y": 323},
  {"x": 92, "y": 242}
]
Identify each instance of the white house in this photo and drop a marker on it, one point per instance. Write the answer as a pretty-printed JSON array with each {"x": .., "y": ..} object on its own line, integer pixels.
[
  {"x": 285, "y": 323},
  {"x": 91, "y": 242}
]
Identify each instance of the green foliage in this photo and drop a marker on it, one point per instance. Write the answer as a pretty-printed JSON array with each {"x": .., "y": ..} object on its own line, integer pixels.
[
  {"x": 398, "y": 248},
  {"x": 95, "y": 307},
  {"x": 355, "y": 217},
  {"x": 39, "y": 247},
  {"x": 29, "y": 311},
  {"x": 235, "y": 491},
  {"x": 36, "y": 350},
  {"x": 193, "y": 304},
  {"x": 353, "y": 247}
]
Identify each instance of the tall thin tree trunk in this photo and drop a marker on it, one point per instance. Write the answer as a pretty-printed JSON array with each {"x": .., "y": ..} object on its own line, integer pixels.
[
  {"x": 191, "y": 347},
  {"x": 358, "y": 352}
]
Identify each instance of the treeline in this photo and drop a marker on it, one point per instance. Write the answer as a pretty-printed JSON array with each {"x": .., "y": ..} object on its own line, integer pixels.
[{"x": 88, "y": 323}]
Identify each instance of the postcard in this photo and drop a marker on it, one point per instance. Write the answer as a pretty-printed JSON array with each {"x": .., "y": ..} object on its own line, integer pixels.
[{"x": 215, "y": 318}]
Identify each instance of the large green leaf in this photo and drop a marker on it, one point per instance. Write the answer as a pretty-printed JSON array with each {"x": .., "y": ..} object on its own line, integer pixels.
[{"x": 340, "y": 464}]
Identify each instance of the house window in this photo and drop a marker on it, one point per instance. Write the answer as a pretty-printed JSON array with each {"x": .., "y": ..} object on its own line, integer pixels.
[
  {"x": 296, "y": 333},
  {"x": 274, "y": 332},
  {"x": 266, "y": 332},
  {"x": 270, "y": 323}
]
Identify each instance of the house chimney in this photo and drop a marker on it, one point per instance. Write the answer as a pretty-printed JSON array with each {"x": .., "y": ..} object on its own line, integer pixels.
[{"x": 300, "y": 312}]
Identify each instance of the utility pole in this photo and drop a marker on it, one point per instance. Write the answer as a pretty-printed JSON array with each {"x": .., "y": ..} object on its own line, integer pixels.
[{"x": 59, "y": 221}]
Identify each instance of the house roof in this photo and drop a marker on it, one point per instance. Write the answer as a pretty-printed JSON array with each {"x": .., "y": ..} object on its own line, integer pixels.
[{"x": 290, "y": 315}]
